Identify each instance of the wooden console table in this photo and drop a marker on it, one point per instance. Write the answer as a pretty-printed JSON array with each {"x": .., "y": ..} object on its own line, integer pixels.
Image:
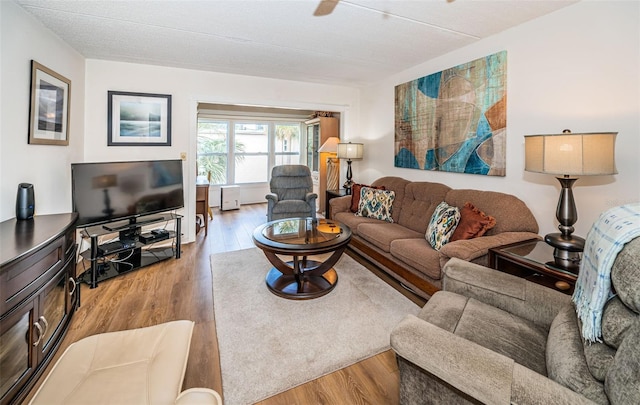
[
  {"x": 38, "y": 296},
  {"x": 532, "y": 260},
  {"x": 202, "y": 201}
]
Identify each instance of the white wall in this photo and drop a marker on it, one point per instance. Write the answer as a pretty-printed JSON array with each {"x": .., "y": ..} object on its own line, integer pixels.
[
  {"x": 47, "y": 167},
  {"x": 577, "y": 68},
  {"x": 188, "y": 87}
]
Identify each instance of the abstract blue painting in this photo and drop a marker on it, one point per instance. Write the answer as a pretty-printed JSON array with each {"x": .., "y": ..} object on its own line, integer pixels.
[{"x": 454, "y": 120}]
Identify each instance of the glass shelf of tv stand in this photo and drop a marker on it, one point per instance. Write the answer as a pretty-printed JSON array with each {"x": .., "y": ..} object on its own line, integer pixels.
[
  {"x": 104, "y": 266},
  {"x": 115, "y": 227}
]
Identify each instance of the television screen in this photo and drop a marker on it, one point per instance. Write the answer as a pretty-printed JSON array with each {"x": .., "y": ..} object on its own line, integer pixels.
[{"x": 110, "y": 191}]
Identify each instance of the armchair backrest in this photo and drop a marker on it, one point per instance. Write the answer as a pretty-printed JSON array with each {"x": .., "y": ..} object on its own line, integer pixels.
[
  {"x": 291, "y": 182},
  {"x": 607, "y": 371},
  {"x": 617, "y": 358}
]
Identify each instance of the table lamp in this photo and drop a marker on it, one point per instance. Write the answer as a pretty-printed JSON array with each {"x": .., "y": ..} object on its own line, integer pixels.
[
  {"x": 569, "y": 155},
  {"x": 350, "y": 151}
]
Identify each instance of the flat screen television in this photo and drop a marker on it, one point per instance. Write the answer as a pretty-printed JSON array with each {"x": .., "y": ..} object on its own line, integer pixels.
[{"x": 111, "y": 191}]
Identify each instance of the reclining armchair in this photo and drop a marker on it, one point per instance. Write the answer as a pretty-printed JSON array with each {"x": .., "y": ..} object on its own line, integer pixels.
[
  {"x": 490, "y": 337},
  {"x": 291, "y": 193}
]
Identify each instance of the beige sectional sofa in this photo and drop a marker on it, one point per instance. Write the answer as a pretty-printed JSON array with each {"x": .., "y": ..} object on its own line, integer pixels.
[{"x": 401, "y": 249}]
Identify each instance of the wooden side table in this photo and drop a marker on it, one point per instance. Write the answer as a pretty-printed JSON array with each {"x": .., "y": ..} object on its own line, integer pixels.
[
  {"x": 329, "y": 194},
  {"x": 202, "y": 201},
  {"x": 532, "y": 260}
]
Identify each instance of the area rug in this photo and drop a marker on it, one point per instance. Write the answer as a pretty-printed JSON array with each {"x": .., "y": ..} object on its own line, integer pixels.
[{"x": 269, "y": 344}]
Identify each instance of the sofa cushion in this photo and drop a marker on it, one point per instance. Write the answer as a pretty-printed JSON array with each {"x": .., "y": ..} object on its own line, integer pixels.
[
  {"x": 599, "y": 358},
  {"x": 375, "y": 203},
  {"x": 292, "y": 207},
  {"x": 566, "y": 363},
  {"x": 617, "y": 319},
  {"x": 381, "y": 234},
  {"x": 625, "y": 275},
  {"x": 420, "y": 200},
  {"x": 355, "y": 195},
  {"x": 397, "y": 185},
  {"x": 511, "y": 213},
  {"x": 443, "y": 223},
  {"x": 417, "y": 253},
  {"x": 623, "y": 380},
  {"x": 489, "y": 327},
  {"x": 473, "y": 223},
  {"x": 352, "y": 220}
]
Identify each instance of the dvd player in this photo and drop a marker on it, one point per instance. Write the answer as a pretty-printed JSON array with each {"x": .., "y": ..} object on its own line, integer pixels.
[
  {"x": 151, "y": 237},
  {"x": 111, "y": 247}
]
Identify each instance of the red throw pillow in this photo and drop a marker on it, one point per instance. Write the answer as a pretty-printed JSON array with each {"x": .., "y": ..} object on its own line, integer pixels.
[
  {"x": 473, "y": 223},
  {"x": 355, "y": 195}
]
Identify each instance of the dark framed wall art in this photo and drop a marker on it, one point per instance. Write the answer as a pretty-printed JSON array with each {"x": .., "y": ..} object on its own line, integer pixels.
[
  {"x": 49, "y": 109},
  {"x": 138, "y": 119}
]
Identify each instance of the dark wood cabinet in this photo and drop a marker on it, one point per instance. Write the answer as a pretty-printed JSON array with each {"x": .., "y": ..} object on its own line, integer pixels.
[{"x": 38, "y": 296}]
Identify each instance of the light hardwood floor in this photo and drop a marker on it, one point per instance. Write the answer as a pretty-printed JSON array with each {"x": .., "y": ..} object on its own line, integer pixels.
[{"x": 181, "y": 289}]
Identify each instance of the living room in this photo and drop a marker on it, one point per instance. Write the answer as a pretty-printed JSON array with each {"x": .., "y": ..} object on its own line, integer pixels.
[{"x": 575, "y": 68}]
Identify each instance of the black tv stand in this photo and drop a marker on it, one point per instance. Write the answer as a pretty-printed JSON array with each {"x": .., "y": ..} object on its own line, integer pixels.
[
  {"x": 133, "y": 252},
  {"x": 133, "y": 223}
]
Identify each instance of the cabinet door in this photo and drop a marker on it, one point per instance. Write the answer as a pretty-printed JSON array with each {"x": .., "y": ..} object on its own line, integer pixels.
[
  {"x": 313, "y": 144},
  {"x": 53, "y": 310},
  {"x": 18, "y": 357}
]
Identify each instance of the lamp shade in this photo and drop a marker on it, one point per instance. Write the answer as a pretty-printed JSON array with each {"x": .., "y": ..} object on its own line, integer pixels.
[
  {"x": 587, "y": 154},
  {"x": 330, "y": 145},
  {"x": 351, "y": 151}
]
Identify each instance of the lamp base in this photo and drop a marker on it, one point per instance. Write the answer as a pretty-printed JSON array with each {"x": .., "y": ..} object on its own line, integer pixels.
[
  {"x": 567, "y": 252},
  {"x": 347, "y": 186}
]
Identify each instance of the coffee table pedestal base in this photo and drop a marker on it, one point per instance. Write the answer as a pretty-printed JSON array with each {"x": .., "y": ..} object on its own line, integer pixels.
[{"x": 303, "y": 285}]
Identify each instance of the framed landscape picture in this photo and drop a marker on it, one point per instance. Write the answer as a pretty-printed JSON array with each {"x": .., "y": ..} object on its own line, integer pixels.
[
  {"x": 49, "y": 110},
  {"x": 138, "y": 119}
]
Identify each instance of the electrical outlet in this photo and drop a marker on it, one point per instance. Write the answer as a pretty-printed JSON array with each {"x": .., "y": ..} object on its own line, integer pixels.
[{"x": 183, "y": 155}]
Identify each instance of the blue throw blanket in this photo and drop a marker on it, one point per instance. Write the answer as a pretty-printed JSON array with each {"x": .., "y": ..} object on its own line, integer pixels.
[{"x": 606, "y": 238}]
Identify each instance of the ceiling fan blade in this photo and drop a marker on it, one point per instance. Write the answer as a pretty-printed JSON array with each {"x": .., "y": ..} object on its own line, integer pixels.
[{"x": 325, "y": 7}]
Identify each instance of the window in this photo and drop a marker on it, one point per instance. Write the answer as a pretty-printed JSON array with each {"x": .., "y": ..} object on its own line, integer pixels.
[
  {"x": 240, "y": 151},
  {"x": 287, "y": 150},
  {"x": 212, "y": 154},
  {"x": 251, "y": 149}
]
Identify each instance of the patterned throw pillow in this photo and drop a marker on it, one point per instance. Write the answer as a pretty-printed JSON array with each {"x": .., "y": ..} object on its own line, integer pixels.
[
  {"x": 443, "y": 223},
  {"x": 376, "y": 203},
  {"x": 355, "y": 195}
]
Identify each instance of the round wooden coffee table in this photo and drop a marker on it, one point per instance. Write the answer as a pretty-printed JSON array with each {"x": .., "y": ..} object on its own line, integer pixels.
[{"x": 302, "y": 278}]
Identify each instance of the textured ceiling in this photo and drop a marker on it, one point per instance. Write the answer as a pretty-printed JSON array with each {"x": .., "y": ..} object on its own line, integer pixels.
[{"x": 361, "y": 42}]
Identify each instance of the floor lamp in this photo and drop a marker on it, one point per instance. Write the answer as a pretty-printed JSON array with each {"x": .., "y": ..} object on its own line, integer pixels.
[
  {"x": 350, "y": 151},
  {"x": 569, "y": 156},
  {"x": 330, "y": 147}
]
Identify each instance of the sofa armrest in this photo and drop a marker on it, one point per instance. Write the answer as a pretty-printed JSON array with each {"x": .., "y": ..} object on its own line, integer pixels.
[
  {"x": 198, "y": 396},
  {"x": 469, "y": 249},
  {"x": 481, "y": 373},
  {"x": 515, "y": 295},
  {"x": 340, "y": 204},
  {"x": 470, "y": 368}
]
